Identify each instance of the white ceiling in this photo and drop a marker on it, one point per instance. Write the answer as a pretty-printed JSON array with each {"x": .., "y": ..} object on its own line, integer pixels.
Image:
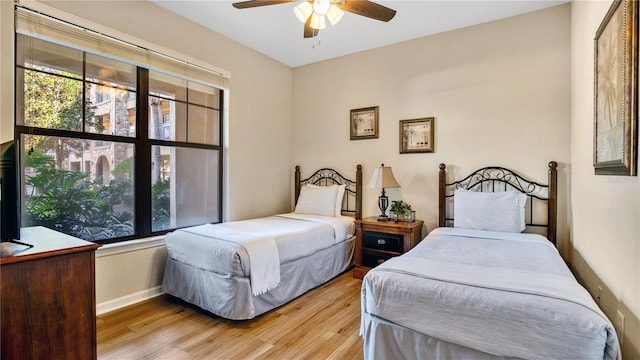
[{"x": 276, "y": 32}]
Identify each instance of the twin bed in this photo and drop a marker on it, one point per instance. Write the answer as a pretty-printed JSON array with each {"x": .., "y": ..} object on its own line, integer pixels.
[
  {"x": 482, "y": 289},
  {"x": 477, "y": 287},
  {"x": 241, "y": 269}
]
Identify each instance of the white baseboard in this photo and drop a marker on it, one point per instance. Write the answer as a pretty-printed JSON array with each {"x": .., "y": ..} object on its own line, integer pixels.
[{"x": 131, "y": 299}]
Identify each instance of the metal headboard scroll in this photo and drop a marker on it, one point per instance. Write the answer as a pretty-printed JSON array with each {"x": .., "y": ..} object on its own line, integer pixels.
[
  {"x": 352, "y": 201},
  {"x": 494, "y": 179}
]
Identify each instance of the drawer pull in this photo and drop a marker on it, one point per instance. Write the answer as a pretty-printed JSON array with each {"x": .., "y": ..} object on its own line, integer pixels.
[
  {"x": 380, "y": 261},
  {"x": 382, "y": 242}
]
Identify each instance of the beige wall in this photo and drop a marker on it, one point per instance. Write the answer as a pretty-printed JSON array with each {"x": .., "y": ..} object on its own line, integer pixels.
[
  {"x": 258, "y": 135},
  {"x": 499, "y": 92},
  {"x": 605, "y": 209}
]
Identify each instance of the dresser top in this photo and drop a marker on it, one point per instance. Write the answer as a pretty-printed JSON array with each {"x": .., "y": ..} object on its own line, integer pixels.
[{"x": 46, "y": 242}]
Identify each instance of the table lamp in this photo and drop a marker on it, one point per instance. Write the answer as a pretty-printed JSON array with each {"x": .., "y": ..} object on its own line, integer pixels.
[{"x": 383, "y": 178}]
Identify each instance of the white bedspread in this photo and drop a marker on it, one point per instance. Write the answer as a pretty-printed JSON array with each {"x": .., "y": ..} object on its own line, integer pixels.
[
  {"x": 256, "y": 247},
  {"x": 503, "y": 294},
  {"x": 262, "y": 253}
]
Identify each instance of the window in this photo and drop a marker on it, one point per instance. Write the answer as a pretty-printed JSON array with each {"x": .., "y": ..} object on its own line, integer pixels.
[
  {"x": 182, "y": 112},
  {"x": 112, "y": 150}
]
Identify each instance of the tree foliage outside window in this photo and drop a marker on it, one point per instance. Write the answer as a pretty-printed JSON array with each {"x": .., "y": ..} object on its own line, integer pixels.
[
  {"x": 55, "y": 102},
  {"x": 161, "y": 200},
  {"x": 69, "y": 202}
]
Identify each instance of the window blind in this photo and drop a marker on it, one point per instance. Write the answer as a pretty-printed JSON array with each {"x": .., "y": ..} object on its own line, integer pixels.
[{"x": 38, "y": 25}]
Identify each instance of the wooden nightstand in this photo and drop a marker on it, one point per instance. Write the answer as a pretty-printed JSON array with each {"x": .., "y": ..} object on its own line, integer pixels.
[{"x": 377, "y": 241}]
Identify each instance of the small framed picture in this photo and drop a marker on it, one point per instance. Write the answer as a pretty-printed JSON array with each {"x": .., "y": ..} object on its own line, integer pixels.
[
  {"x": 364, "y": 123},
  {"x": 416, "y": 135}
]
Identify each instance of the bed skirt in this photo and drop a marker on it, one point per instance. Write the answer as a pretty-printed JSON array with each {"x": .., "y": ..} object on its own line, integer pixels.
[
  {"x": 230, "y": 297},
  {"x": 386, "y": 340}
]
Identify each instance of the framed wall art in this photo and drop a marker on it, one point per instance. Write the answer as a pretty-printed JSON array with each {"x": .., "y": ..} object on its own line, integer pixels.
[
  {"x": 416, "y": 135},
  {"x": 364, "y": 123},
  {"x": 615, "y": 148}
]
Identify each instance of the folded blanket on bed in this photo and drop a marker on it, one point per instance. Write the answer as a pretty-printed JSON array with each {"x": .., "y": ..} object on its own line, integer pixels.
[{"x": 264, "y": 260}]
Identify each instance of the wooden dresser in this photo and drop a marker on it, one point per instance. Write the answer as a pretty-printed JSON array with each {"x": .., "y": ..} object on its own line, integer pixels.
[{"x": 48, "y": 304}]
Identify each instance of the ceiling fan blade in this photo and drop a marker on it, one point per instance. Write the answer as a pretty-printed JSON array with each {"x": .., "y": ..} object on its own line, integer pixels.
[
  {"x": 256, "y": 3},
  {"x": 309, "y": 32},
  {"x": 368, "y": 9}
]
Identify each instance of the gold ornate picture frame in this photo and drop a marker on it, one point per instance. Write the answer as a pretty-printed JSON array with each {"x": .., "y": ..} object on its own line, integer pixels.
[
  {"x": 416, "y": 135},
  {"x": 364, "y": 123},
  {"x": 615, "y": 148}
]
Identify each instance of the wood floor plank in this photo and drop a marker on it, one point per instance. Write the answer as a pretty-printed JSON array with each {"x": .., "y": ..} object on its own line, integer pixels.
[
  {"x": 321, "y": 324},
  {"x": 351, "y": 348}
]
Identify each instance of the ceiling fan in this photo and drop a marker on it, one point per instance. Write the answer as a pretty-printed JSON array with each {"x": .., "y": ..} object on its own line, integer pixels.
[{"x": 313, "y": 12}]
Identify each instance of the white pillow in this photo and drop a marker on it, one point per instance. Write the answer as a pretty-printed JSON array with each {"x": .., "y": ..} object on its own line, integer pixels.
[
  {"x": 319, "y": 200},
  {"x": 493, "y": 211},
  {"x": 339, "y": 196}
]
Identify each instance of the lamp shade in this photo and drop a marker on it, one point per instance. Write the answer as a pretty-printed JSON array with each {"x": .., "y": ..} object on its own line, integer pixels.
[
  {"x": 303, "y": 11},
  {"x": 321, "y": 7},
  {"x": 317, "y": 21},
  {"x": 335, "y": 14},
  {"x": 383, "y": 178}
]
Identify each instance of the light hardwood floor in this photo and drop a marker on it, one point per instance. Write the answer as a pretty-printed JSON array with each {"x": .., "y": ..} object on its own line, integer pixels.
[{"x": 321, "y": 324}]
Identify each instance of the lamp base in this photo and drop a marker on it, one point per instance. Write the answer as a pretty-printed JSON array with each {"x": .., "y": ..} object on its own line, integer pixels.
[{"x": 383, "y": 203}]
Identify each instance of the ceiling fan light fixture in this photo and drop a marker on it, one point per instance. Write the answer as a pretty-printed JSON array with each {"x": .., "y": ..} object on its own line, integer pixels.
[
  {"x": 317, "y": 21},
  {"x": 303, "y": 11},
  {"x": 335, "y": 14},
  {"x": 321, "y": 7},
  {"x": 312, "y": 12}
]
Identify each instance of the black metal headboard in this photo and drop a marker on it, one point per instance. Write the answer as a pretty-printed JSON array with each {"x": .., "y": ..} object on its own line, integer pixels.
[
  {"x": 352, "y": 201},
  {"x": 494, "y": 179}
]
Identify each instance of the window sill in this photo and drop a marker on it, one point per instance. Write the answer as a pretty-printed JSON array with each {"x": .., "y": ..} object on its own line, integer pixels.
[{"x": 130, "y": 246}]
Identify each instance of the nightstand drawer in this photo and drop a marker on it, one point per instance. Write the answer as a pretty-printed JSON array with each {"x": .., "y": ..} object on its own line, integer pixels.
[
  {"x": 372, "y": 258},
  {"x": 378, "y": 241},
  {"x": 382, "y": 241}
]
